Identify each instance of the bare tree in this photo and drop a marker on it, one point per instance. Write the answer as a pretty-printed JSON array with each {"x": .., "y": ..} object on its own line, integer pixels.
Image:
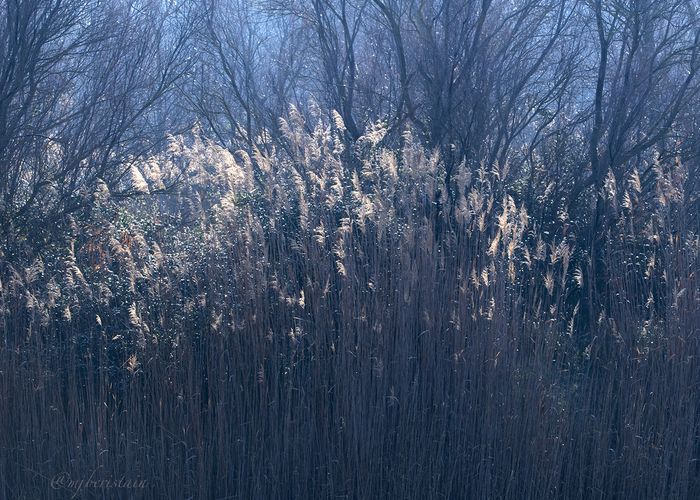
[
  {"x": 79, "y": 82},
  {"x": 648, "y": 60}
]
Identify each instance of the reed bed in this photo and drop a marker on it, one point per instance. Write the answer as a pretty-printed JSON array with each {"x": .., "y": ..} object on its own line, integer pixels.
[{"x": 314, "y": 319}]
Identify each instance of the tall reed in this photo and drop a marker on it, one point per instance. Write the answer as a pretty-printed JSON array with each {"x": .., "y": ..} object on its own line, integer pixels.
[{"x": 311, "y": 320}]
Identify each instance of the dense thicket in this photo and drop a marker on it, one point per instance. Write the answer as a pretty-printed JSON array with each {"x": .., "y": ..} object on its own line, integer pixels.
[{"x": 354, "y": 249}]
